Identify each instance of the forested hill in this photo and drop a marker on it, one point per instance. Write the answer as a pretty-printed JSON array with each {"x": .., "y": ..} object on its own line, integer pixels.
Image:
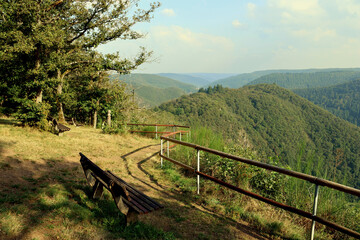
[
  {"x": 343, "y": 100},
  {"x": 185, "y": 78},
  {"x": 245, "y": 78},
  {"x": 152, "y": 89},
  {"x": 278, "y": 122},
  {"x": 153, "y": 80},
  {"x": 308, "y": 80}
]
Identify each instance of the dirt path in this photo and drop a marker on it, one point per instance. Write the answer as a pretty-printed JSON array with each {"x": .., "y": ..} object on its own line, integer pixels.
[{"x": 186, "y": 219}]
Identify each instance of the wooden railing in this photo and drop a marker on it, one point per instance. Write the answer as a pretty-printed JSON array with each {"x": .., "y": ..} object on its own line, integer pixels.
[
  {"x": 156, "y": 132},
  {"x": 317, "y": 181}
]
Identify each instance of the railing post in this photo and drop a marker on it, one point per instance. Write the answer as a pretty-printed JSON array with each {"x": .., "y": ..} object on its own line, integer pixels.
[
  {"x": 198, "y": 169},
  {"x": 156, "y": 136},
  {"x": 161, "y": 152},
  {"x": 180, "y": 135},
  {"x": 316, "y": 197},
  {"x": 168, "y": 148}
]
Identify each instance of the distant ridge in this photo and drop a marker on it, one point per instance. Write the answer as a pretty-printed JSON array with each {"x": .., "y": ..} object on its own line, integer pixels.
[
  {"x": 185, "y": 78},
  {"x": 308, "y": 80},
  {"x": 245, "y": 78}
]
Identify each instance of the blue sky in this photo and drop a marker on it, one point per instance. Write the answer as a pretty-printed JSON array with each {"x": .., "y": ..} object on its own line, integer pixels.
[{"x": 237, "y": 36}]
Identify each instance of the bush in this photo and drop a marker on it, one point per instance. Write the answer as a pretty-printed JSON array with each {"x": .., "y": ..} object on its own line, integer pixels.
[
  {"x": 115, "y": 128},
  {"x": 33, "y": 114}
]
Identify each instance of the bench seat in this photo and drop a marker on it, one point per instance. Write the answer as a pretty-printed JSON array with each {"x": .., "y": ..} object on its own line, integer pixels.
[{"x": 130, "y": 201}]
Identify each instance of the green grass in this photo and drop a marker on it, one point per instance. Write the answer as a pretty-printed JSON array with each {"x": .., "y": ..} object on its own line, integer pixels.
[{"x": 44, "y": 192}]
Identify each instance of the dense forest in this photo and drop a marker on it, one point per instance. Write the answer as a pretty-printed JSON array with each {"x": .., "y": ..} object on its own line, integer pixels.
[
  {"x": 342, "y": 100},
  {"x": 277, "y": 122},
  {"x": 308, "y": 80}
]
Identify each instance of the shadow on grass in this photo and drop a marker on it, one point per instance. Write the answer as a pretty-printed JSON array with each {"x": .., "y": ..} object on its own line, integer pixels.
[
  {"x": 51, "y": 200},
  {"x": 182, "y": 217}
]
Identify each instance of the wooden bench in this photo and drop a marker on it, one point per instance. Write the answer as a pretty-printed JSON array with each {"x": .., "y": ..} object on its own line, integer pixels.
[
  {"x": 130, "y": 201},
  {"x": 60, "y": 128}
]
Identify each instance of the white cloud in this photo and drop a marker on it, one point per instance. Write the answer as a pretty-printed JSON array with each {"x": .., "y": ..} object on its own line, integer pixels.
[
  {"x": 251, "y": 8},
  {"x": 168, "y": 12},
  {"x": 236, "y": 23},
  {"x": 304, "y": 7},
  {"x": 181, "y": 49},
  {"x": 315, "y": 34},
  {"x": 349, "y": 6}
]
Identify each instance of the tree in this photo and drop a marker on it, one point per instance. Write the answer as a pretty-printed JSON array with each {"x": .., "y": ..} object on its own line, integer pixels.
[{"x": 50, "y": 39}]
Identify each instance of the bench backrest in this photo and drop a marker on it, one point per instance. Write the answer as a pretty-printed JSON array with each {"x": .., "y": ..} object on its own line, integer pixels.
[{"x": 120, "y": 190}]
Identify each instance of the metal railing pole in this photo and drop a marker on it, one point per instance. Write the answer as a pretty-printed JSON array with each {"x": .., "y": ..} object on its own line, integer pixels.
[
  {"x": 156, "y": 136},
  {"x": 316, "y": 198},
  {"x": 180, "y": 136},
  {"x": 168, "y": 149},
  {"x": 198, "y": 169},
  {"x": 161, "y": 152}
]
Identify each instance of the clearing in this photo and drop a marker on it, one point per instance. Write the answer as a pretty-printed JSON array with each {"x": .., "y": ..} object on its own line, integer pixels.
[{"x": 43, "y": 194}]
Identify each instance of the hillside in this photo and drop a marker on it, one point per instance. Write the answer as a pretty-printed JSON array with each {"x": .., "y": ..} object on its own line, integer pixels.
[
  {"x": 307, "y": 80},
  {"x": 185, "y": 78},
  {"x": 342, "y": 100},
  {"x": 153, "y": 80},
  {"x": 245, "y": 78},
  {"x": 277, "y": 122},
  {"x": 152, "y": 89},
  {"x": 153, "y": 96}
]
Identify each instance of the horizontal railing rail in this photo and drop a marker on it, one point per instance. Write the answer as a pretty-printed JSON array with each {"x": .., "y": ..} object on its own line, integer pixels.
[
  {"x": 317, "y": 181},
  {"x": 159, "y": 125},
  {"x": 156, "y": 132}
]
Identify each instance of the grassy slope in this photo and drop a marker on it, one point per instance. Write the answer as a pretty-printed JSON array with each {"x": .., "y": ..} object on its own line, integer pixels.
[
  {"x": 343, "y": 100},
  {"x": 279, "y": 122},
  {"x": 43, "y": 194}
]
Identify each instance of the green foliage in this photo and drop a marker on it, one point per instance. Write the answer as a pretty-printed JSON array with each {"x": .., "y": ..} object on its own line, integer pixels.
[
  {"x": 342, "y": 100},
  {"x": 269, "y": 184},
  {"x": 217, "y": 88},
  {"x": 54, "y": 47},
  {"x": 115, "y": 128},
  {"x": 278, "y": 123},
  {"x": 34, "y": 115}
]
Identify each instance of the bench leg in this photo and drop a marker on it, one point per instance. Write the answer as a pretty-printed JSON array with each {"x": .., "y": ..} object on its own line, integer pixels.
[
  {"x": 131, "y": 217},
  {"x": 97, "y": 190}
]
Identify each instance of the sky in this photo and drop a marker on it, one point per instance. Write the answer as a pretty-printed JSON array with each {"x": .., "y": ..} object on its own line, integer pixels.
[{"x": 238, "y": 36}]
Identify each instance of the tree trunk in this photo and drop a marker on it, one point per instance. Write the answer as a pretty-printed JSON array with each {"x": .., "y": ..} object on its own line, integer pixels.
[
  {"x": 109, "y": 118},
  {"x": 95, "y": 118},
  {"x": 60, "y": 77},
  {"x": 39, "y": 94}
]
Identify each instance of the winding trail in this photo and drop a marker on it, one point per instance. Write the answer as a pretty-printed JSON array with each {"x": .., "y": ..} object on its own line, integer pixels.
[{"x": 186, "y": 219}]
